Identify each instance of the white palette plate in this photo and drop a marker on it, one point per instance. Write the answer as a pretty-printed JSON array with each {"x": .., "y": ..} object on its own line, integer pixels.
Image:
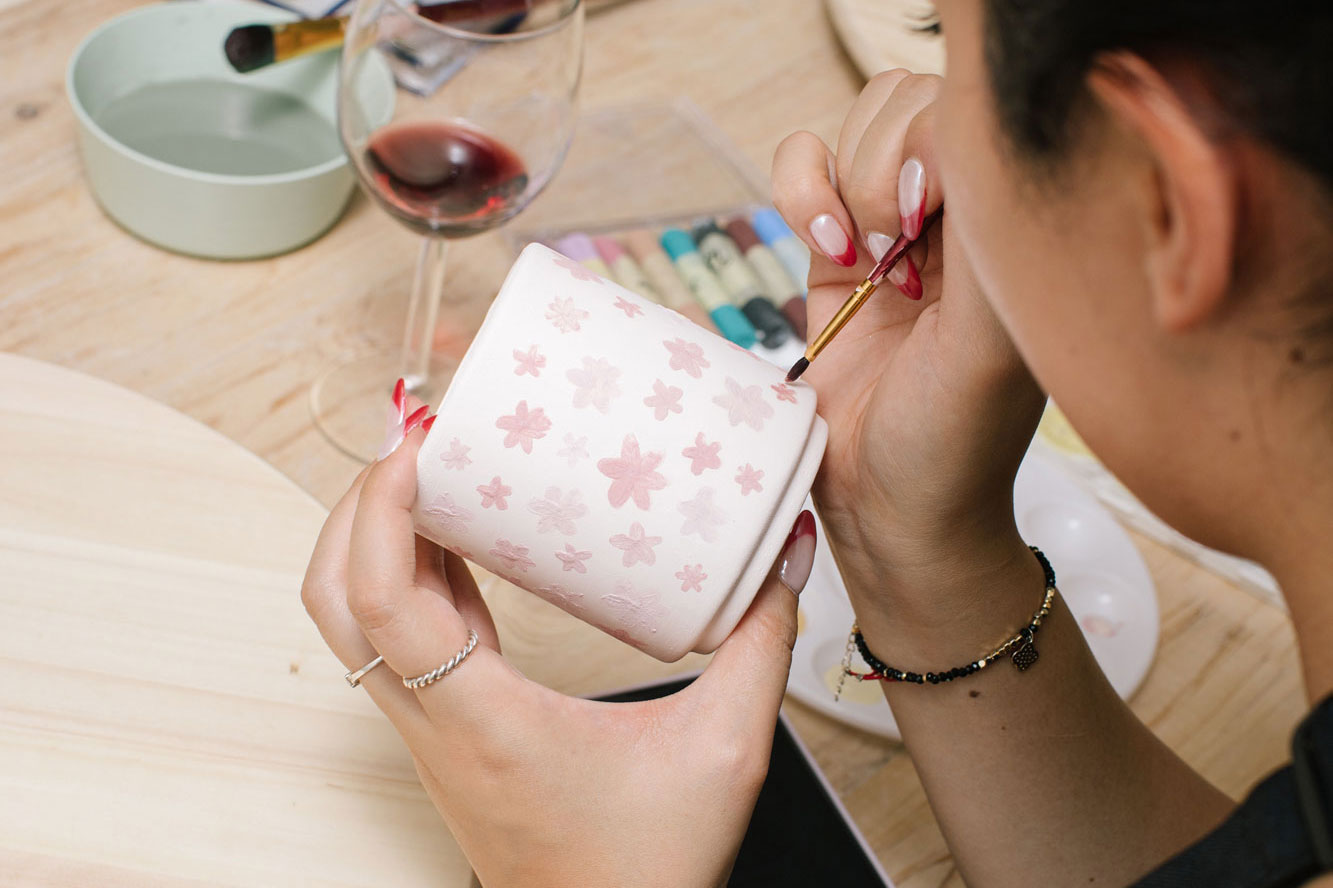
[{"x": 1100, "y": 574}]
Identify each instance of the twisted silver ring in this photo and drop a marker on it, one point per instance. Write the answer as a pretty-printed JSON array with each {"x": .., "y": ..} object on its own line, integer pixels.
[
  {"x": 444, "y": 669},
  {"x": 354, "y": 678}
]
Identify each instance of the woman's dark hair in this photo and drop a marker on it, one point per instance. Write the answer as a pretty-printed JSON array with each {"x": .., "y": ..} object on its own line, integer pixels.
[{"x": 1270, "y": 66}]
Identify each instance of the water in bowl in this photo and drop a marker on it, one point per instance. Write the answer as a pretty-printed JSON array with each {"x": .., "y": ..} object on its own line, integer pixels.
[{"x": 221, "y": 127}]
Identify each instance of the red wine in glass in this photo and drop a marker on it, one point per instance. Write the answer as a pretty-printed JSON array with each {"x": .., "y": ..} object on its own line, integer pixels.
[{"x": 439, "y": 176}]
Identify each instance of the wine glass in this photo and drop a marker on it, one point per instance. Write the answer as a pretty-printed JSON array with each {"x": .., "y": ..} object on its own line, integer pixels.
[{"x": 477, "y": 120}]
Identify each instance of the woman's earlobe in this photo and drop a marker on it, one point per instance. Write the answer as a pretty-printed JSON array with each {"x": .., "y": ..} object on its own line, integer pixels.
[{"x": 1190, "y": 218}]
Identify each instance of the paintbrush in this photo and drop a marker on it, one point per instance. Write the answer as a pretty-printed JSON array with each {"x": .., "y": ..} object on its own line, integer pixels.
[
  {"x": 859, "y": 297},
  {"x": 251, "y": 47}
]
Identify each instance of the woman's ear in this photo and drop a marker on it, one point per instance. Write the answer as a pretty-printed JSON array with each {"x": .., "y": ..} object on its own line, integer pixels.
[{"x": 1190, "y": 215}]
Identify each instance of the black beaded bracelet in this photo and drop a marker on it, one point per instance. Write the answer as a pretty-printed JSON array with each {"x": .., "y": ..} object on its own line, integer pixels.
[{"x": 1021, "y": 647}]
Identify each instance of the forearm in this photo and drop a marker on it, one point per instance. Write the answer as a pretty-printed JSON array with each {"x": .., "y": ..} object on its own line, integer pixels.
[{"x": 1043, "y": 777}]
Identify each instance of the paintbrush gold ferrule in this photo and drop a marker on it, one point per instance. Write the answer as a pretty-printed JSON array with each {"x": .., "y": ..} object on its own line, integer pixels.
[
  {"x": 312, "y": 35},
  {"x": 840, "y": 319}
]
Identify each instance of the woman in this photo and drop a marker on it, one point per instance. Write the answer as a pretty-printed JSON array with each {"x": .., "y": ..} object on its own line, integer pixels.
[{"x": 1138, "y": 222}]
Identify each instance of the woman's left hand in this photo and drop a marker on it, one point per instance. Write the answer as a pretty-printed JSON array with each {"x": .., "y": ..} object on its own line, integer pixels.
[{"x": 537, "y": 787}]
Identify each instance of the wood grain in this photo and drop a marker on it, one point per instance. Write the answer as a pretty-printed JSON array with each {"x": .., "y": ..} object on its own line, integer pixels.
[{"x": 235, "y": 346}]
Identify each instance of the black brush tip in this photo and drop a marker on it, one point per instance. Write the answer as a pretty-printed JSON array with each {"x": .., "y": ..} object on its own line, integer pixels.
[
  {"x": 797, "y": 369},
  {"x": 249, "y": 47}
]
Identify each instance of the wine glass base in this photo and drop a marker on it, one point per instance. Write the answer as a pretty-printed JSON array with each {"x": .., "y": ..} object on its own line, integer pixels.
[{"x": 350, "y": 401}]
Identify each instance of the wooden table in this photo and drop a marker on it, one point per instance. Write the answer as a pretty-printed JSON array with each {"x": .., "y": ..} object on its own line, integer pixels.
[{"x": 236, "y": 345}]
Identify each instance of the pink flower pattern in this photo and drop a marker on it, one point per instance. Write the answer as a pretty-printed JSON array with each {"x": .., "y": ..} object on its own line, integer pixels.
[
  {"x": 563, "y": 598},
  {"x": 744, "y": 404},
  {"x": 595, "y": 383},
  {"x": 747, "y": 476},
  {"x": 448, "y": 515},
  {"x": 564, "y": 314},
  {"x": 522, "y": 427},
  {"x": 575, "y": 449},
  {"x": 513, "y": 556},
  {"x": 572, "y": 559},
  {"x": 691, "y": 576},
  {"x": 637, "y": 545},
  {"x": 703, "y": 455},
  {"x": 456, "y": 457},
  {"x": 686, "y": 356},
  {"x": 1096, "y": 624},
  {"x": 557, "y": 511},
  {"x": 633, "y": 475},
  {"x": 580, "y": 271},
  {"x": 785, "y": 392},
  {"x": 629, "y": 308},
  {"x": 664, "y": 400},
  {"x": 702, "y": 516},
  {"x": 530, "y": 362},
  {"x": 494, "y": 494}
]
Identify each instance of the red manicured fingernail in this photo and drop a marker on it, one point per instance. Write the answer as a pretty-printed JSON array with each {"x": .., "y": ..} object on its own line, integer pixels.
[
  {"x": 417, "y": 417},
  {"x": 399, "y": 396},
  {"x": 798, "y": 553},
  {"x": 905, "y": 277},
  {"x": 428, "y": 422},
  {"x": 832, "y": 240},
  {"x": 912, "y": 197}
]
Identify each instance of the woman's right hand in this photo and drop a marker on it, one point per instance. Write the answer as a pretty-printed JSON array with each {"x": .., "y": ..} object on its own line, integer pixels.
[{"x": 929, "y": 407}]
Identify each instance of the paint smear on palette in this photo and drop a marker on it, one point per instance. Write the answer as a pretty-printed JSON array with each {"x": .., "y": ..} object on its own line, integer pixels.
[{"x": 853, "y": 691}]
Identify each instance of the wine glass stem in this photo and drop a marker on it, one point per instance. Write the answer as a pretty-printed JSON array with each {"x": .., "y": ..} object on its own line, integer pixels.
[{"x": 423, "y": 311}]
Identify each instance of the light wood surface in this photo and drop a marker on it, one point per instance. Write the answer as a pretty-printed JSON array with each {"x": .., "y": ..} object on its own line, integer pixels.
[{"x": 235, "y": 346}]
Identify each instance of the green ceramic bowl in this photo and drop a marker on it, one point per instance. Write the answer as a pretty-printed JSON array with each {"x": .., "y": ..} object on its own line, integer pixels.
[{"x": 188, "y": 154}]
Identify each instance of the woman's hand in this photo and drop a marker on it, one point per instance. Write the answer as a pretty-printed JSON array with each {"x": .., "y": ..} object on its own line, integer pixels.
[
  {"x": 540, "y": 788},
  {"x": 929, "y": 407}
]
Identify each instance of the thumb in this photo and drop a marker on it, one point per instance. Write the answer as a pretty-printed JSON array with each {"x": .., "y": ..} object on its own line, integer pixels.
[{"x": 748, "y": 674}]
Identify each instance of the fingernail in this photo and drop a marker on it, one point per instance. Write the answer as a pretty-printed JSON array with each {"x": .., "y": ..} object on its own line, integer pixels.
[
  {"x": 905, "y": 277},
  {"x": 428, "y": 422},
  {"x": 835, "y": 243},
  {"x": 878, "y": 242},
  {"x": 400, "y": 397},
  {"x": 798, "y": 553},
  {"x": 912, "y": 196},
  {"x": 417, "y": 418},
  {"x": 394, "y": 430}
]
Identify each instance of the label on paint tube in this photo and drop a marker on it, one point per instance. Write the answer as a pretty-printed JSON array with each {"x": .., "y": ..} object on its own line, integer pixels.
[
  {"x": 701, "y": 282},
  {"x": 630, "y": 276},
  {"x": 665, "y": 280},
  {"x": 730, "y": 266},
  {"x": 772, "y": 275}
]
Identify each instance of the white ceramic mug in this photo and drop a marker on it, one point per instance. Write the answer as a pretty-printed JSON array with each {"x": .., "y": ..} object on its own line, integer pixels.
[{"x": 616, "y": 459}]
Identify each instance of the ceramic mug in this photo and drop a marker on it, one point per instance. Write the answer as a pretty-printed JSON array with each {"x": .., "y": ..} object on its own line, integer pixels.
[{"x": 616, "y": 459}]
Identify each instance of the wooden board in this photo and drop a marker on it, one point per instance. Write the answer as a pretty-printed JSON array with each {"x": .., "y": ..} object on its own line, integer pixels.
[
  {"x": 168, "y": 713},
  {"x": 884, "y": 34}
]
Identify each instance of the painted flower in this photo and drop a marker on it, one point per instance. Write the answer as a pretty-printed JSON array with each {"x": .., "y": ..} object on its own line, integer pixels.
[
  {"x": 512, "y": 556},
  {"x": 595, "y": 383},
  {"x": 580, "y": 271},
  {"x": 558, "y": 511},
  {"x": 665, "y": 399},
  {"x": 633, "y": 475},
  {"x": 494, "y": 494},
  {"x": 575, "y": 449},
  {"x": 629, "y": 308},
  {"x": 785, "y": 392},
  {"x": 748, "y": 478},
  {"x": 702, "y": 516},
  {"x": 744, "y": 404},
  {"x": 564, "y": 314},
  {"x": 703, "y": 455},
  {"x": 530, "y": 362},
  {"x": 686, "y": 356},
  {"x": 636, "y": 545},
  {"x": 637, "y": 611},
  {"x": 448, "y": 515},
  {"x": 572, "y": 559},
  {"x": 691, "y": 576},
  {"x": 1096, "y": 624},
  {"x": 456, "y": 457},
  {"x": 523, "y": 426},
  {"x": 561, "y": 597}
]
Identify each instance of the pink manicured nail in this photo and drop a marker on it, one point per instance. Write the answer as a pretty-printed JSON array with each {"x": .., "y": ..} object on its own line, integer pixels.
[
  {"x": 905, "y": 277},
  {"x": 912, "y": 197},
  {"x": 835, "y": 243},
  {"x": 798, "y": 553},
  {"x": 878, "y": 243}
]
